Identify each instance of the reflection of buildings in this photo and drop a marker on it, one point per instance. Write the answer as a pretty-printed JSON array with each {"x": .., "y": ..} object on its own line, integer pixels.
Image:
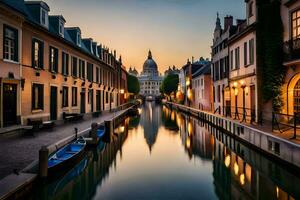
[
  {"x": 151, "y": 121},
  {"x": 238, "y": 172},
  {"x": 85, "y": 185}
]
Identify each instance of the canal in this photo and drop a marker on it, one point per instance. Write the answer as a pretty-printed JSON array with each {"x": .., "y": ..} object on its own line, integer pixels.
[{"x": 163, "y": 154}]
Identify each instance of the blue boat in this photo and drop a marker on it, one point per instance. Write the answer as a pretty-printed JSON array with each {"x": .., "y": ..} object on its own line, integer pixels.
[
  {"x": 101, "y": 131},
  {"x": 66, "y": 157}
]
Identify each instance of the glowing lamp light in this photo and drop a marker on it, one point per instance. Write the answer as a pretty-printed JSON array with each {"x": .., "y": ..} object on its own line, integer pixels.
[
  {"x": 122, "y": 91},
  {"x": 236, "y": 91},
  {"x": 227, "y": 161},
  {"x": 122, "y": 129},
  {"x": 189, "y": 94},
  {"x": 235, "y": 84},
  {"x": 190, "y": 128},
  {"x": 188, "y": 143},
  {"x": 242, "y": 179},
  {"x": 277, "y": 192},
  {"x": 242, "y": 82},
  {"x": 187, "y": 82},
  {"x": 236, "y": 168}
]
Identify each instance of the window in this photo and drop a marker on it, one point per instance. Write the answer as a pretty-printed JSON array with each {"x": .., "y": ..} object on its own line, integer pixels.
[
  {"x": 237, "y": 58},
  {"x": 296, "y": 24},
  {"x": 53, "y": 59},
  {"x": 231, "y": 59},
  {"x": 10, "y": 44},
  {"x": 106, "y": 97},
  {"x": 44, "y": 17},
  {"x": 78, "y": 39},
  {"x": 97, "y": 74},
  {"x": 245, "y": 54},
  {"x": 250, "y": 11},
  {"x": 90, "y": 72},
  {"x": 61, "y": 28},
  {"x": 37, "y": 96},
  {"x": 37, "y": 54},
  {"x": 74, "y": 96},
  {"x": 74, "y": 67},
  {"x": 81, "y": 69},
  {"x": 65, "y": 63},
  {"x": 65, "y": 97},
  {"x": 251, "y": 52}
]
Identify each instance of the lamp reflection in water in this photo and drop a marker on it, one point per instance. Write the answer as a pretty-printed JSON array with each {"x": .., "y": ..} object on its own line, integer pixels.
[
  {"x": 227, "y": 161},
  {"x": 188, "y": 142},
  {"x": 190, "y": 128},
  {"x": 242, "y": 179},
  {"x": 236, "y": 168}
]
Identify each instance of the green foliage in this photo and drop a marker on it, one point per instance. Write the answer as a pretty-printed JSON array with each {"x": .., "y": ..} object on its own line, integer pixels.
[
  {"x": 133, "y": 84},
  {"x": 170, "y": 84},
  {"x": 269, "y": 33}
]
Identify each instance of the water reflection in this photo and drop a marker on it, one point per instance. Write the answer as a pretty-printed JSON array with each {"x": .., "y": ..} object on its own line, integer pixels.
[
  {"x": 163, "y": 154},
  {"x": 238, "y": 172}
]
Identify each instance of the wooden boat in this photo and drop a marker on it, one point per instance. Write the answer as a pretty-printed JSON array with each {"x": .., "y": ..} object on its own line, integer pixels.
[
  {"x": 66, "y": 157},
  {"x": 99, "y": 133}
]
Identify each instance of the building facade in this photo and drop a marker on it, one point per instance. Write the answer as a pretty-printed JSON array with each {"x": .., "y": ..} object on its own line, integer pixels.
[
  {"x": 243, "y": 68},
  {"x": 150, "y": 79},
  {"x": 58, "y": 71},
  {"x": 220, "y": 64},
  {"x": 202, "y": 88},
  {"x": 290, "y": 14}
]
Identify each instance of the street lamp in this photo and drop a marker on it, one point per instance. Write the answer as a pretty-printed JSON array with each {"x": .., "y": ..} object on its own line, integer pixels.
[
  {"x": 236, "y": 92},
  {"x": 243, "y": 86}
]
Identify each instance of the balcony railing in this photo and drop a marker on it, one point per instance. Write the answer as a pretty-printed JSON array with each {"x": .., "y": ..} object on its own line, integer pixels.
[{"x": 292, "y": 50}]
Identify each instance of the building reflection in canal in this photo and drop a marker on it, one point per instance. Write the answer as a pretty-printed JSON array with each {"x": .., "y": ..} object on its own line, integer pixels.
[
  {"x": 163, "y": 154},
  {"x": 239, "y": 172}
]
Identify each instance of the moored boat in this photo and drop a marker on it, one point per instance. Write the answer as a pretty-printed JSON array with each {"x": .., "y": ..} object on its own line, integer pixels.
[{"x": 66, "y": 157}]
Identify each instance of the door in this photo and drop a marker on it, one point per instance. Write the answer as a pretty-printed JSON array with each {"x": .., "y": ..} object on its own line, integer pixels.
[
  {"x": 53, "y": 103},
  {"x": 98, "y": 100},
  {"x": 82, "y": 101},
  {"x": 91, "y": 98},
  {"x": 9, "y": 104}
]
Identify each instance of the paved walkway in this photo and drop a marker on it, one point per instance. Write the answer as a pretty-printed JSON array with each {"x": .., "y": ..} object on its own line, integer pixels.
[{"x": 18, "y": 151}]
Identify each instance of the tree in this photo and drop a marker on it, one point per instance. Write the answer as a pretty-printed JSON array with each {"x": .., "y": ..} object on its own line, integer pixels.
[
  {"x": 133, "y": 84},
  {"x": 170, "y": 84}
]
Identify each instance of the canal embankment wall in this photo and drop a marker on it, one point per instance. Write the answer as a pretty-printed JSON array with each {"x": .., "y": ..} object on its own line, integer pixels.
[
  {"x": 17, "y": 186},
  {"x": 276, "y": 147}
]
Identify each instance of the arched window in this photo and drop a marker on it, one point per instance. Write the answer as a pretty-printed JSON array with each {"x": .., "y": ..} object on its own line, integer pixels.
[{"x": 297, "y": 97}]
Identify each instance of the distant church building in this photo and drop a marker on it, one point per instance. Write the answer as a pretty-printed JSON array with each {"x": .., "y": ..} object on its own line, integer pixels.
[
  {"x": 150, "y": 79},
  {"x": 133, "y": 71}
]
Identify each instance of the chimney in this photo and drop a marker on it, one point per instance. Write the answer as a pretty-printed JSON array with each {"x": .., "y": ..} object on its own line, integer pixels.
[
  {"x": 228, "y": 21},
  {"x": 192, "y": 59}
]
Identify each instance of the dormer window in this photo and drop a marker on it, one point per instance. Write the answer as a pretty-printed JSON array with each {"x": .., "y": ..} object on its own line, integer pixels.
[
  {"x": 91, "y": 47},
  {"x": 61, "y": 29},
  {"x": 78, "y": 40},
  {"x": 44, "y": 18}
]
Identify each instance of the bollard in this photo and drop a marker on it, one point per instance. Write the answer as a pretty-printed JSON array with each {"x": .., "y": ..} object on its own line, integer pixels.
[
  {"x": 108, "y": 130},
  {"x": 43, "y": 162}
]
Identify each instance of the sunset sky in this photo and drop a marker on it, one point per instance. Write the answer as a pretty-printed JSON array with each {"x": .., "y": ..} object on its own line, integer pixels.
[{"x": 173, "y": 29}]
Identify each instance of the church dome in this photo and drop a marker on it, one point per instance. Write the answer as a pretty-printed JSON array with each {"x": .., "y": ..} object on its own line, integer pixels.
[{"x": 149, "y": 64}]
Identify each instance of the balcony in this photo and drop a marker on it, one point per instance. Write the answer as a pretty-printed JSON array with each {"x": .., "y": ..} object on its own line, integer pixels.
[{"x": 292, "y": 52}]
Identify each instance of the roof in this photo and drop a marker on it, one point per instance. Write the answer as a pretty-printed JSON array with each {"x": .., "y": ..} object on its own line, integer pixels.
[
  {"x": 26, "y": 9},
  {"x": 205, "y": 70}
]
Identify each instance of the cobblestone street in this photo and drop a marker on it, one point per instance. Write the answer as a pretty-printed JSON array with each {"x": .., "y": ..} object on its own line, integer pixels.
[{"x": 18, "y": 151}]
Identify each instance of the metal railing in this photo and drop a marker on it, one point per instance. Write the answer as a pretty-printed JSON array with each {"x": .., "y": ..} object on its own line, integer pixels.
[
  {"x": 238, "y": 113},
  {"x": 291, "y": 50},
  {"x": 284, "y": 122}
]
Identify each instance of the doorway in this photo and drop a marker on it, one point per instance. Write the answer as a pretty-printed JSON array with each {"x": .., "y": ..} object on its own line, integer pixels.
[
  {"x": 9, "y": 104},
  {"x": 53, "y": 103},
  {"x": 82, "y": 100},
  {"x": 252, "y": 99}
]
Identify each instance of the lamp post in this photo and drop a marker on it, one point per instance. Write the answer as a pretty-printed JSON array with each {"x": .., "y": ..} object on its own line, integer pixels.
[
  {"x": 236, "y": 92},
  {"x": 187, "y": 84},
  {"x": 243, "y": 86}
]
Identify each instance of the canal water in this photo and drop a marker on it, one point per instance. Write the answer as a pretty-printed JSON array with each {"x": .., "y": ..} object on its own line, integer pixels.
[{"x": 162, "y": 154}]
